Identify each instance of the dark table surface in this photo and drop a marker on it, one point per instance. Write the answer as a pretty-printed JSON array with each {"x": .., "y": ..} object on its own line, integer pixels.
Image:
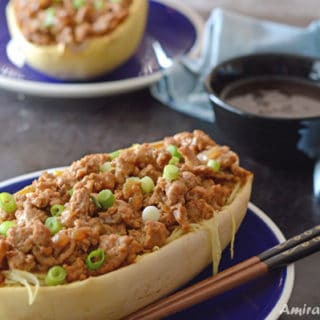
[{"x": 38, "y": 133}]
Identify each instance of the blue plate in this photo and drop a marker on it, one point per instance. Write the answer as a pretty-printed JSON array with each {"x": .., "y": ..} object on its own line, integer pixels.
[
  {"x": 176, "y": 27},
  {"x": 261, "y": 299}
]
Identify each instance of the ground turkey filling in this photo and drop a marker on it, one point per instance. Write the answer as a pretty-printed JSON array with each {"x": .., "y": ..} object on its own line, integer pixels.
[
  {"x": 195, "y": 194},
  {"x": 45, "y": 22}
]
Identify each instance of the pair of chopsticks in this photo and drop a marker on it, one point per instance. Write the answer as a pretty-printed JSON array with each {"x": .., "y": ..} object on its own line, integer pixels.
[{"x": 295, "y": 248}]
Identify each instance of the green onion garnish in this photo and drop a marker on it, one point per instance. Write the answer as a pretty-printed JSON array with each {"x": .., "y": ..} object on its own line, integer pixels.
[
  {"x": 106, "y": 198},
  {"x": 78, "y": 3},
  {"x": 99, "y": 4},
  {"x": 57, "y": 209},
  {"x": 95, "y": 259},
  {"x": 70, "y": 192},
  {"x": 174, "y": 151},
  {"x": 170, "y": 172},
  {"x": 147, "y": 184},
  {"x": 107, "y": 166},
  {"x": 56, "y": 275},
  {"x": 5, "y": 226},
  {"x": 114, "y": 154},
  {"x": 49, "y": 17},
  {"x": 214, "y": 165},
  {"x": 53, "y": 224},
  {"x": 150, "y": 213},
  {"x": 7, "y": 202},
  {"x": 96, "y": 202},
  {"x": 174, "y": 160}
]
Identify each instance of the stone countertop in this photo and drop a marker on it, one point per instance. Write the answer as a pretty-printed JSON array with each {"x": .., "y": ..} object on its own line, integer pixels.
[{"x": 38, "y": 133}]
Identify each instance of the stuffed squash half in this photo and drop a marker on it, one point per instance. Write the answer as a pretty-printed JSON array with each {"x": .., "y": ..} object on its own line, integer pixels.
[
  {"x": 76, "y": 39},
  {"x": 116, "y": 231}
]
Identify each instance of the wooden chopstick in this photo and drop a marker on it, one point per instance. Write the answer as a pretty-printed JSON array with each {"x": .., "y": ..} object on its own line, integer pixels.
[{"x": 280, "y": 255}]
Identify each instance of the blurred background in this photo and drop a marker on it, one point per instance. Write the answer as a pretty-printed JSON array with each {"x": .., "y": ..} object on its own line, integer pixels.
[{"x": 288, "y": 11}]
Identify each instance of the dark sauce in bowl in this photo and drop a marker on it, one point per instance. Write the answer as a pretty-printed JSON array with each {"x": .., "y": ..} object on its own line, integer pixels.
[{"x": 279, "y": 97}]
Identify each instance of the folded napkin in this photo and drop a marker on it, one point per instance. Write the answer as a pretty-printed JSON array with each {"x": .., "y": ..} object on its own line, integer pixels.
[{"x": 227, "y": 35}]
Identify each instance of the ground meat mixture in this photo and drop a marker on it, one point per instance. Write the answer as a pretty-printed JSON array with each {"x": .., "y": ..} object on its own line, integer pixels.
[
  {"x": 45, "y": 22},
  {"x": 146, "y": 204}
]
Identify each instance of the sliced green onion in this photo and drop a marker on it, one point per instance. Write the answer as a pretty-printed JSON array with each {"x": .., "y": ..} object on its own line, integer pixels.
[
  {"x": 70, "y": 192},
  {"x": 147, "y": 184},
  {"x": 57, "y": 209},
  {"x": 174, "y": 151},
  {"x": 78, "y": 3},
  {"x": 150, "y": 213},
  {"x": 106, "y": 198},
  {"x": 107, "y": 166},
  {"x": 53, "y": 224},
  {"x": 96, "y": 202},
  {"x": 5, "y": 226},
  {"x": 214, "y": 165},
  {"x": 7, "y": 202},
  {"x": 99, "y": 4},
  {"x": 55, "y": 276},
  {"x": 170, "y": 172},
  {"x": 114, "y": 154},
  {"x": 174, "y": 160},
  {"x": 95, "y": 259},
  {"x": 49, "y": 18}
]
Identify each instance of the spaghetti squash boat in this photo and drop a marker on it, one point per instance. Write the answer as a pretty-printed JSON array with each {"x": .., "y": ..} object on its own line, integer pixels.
[
  {"x": 76, "y": 39},
  {"x": 116, "y": 231}
]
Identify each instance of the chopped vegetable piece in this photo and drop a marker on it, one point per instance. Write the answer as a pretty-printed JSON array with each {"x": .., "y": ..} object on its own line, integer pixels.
[
  {"x": 5, "y": 226},
  {"x": 70, "y": 192},
  {"x": 96, "y": 202},
  {"x": 56, "y": 275},
  {"x": 57, "y": 209},
  {"x": 99, "y": 4},
  {"x": 49, "y": 17},
  {"x": 151, "y": 213},
  {"x": 78, "y": 3},
  {"x": 7, "y": 202},
  {"x": 107, "y": 166},
  {"x": 214, "y": 165},
  {"x": 174, "y": 160},
  {"x": 147, "y": 184},
  {"x": 53, "y": 224},
  {"x": 95, "y": 259},
  {"x": 174, "y": 151},
  {"x": 114, "y": 154},
  {"x": 106, "y": 198},
  {"x": 170, "y": 172}
]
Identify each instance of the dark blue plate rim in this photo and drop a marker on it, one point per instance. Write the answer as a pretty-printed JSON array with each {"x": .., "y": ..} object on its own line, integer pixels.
[
  {"x": 288, "y": 276},
  {"x": 93, "y": 89}
]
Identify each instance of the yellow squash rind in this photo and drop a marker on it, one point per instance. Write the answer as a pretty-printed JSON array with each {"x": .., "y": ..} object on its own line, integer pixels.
[
  {"x": 94, "y": 57},
  {"x": 118, "y": 293}
]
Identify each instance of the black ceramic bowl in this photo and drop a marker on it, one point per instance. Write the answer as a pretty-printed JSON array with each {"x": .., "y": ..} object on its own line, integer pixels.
[{"x": 272, "y": 139}]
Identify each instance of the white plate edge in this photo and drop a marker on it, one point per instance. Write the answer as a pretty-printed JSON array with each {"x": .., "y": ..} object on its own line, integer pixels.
[
  {"x": 109, "y": 87},
  {"x": 275, "y": 313}
]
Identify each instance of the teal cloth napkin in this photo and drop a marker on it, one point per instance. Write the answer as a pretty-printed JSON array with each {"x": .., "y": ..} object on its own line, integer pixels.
[{"x": 228, "y": 35}]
